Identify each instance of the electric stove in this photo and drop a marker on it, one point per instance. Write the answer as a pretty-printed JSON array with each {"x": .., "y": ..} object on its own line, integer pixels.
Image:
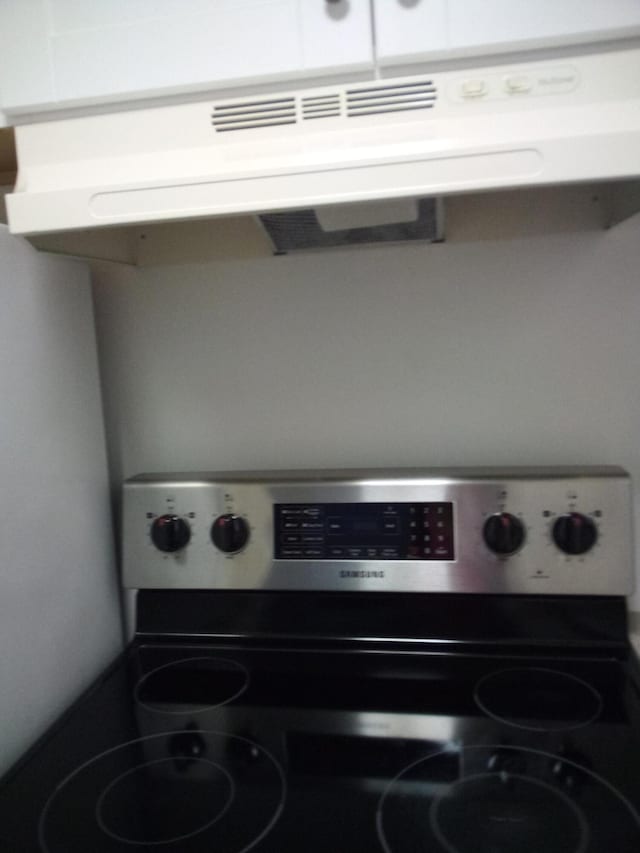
[{"x": 393, "y": 661}]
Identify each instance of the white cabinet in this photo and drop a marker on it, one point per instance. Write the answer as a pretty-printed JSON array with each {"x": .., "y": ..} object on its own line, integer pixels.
[
  {"x": 410, "y": 30},
  {"x": 514, "y": 23},
  {"x": 82, "y": 53},
  {"x": 414, "y": 30},
  {"x": 59, "y": 53}
]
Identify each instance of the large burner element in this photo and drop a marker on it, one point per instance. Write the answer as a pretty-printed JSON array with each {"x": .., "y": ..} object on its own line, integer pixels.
[
  {"x": 139, "y": 807},
  {"x": 500, "y": 812},
  {"x": 536, "y": 699},
  {"x": 452, "y": 804},
  {"x": 138, "y": 794}
]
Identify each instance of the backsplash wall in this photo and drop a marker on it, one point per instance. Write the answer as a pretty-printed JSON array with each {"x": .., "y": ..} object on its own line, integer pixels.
[{"x": 514, "y": 352}]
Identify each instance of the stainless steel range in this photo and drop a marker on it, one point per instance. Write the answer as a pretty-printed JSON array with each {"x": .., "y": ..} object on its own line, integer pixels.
[{"x": 353, "y": 661}]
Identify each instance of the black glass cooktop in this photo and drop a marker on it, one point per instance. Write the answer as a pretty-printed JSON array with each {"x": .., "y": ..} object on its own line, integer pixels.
[{"x": 193, "y": 748}]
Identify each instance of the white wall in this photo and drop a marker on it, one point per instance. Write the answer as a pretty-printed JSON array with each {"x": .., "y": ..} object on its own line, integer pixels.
[
  {"x": 59, "y": 619},
  {"x": 512, "y": 352}
]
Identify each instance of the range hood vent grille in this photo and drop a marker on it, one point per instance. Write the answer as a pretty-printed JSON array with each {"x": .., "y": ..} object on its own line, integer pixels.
[
  {"x": 322, "y": 106},
  {"x": 350, "y": 103},
  {"x": 390, "y": 98},
  {"x": 248, "y": 115}
]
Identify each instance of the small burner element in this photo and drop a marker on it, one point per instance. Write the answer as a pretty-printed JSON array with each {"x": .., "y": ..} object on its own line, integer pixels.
[
  {"x": 192, "y": 685},
  {"x": 539, "y": 700},
  {"x": 452, "y": 804},
  {"x": 225, "y": 799}
]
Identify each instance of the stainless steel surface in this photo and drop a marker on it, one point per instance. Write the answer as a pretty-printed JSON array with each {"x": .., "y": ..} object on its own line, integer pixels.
[
  {"x": 129, "y": 597},
  {"x": 536, "y": 496}
]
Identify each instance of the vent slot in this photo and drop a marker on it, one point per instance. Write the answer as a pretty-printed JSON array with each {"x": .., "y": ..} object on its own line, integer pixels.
[
  {"x": 321, "y": 106},
  {"x": 255, "y": 114},
  {"x": 391, "y": 98},
  {"x": 297, "y": 230},
  {"x": 365, "y": 100}
]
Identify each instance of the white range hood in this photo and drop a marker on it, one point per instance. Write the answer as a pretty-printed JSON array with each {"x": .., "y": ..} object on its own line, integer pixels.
[{"x": 572, "y": 118}]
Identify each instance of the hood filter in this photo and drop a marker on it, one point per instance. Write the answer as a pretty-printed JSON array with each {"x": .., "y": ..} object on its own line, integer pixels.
[{"x": 355, "y": 225}]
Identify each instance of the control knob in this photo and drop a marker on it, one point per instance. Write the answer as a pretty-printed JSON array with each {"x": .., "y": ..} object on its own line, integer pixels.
[
  {"x": 574, "y": 533},
  {"x": 503, "y": 533},
  {"x": 170, "y": 533},
  {"x": 229, "y": 533}
]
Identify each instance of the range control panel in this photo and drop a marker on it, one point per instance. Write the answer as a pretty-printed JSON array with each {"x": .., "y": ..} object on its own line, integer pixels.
[
  {"x": 553, "y": 531},
  {"x": 370, "y": 531}
]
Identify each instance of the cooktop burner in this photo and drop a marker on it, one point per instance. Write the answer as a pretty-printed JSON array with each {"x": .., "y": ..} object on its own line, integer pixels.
[
  {"x": 135, "y": 809},
  {"x": 540, "y": 700},
  {"x": 503, "y": 812},
  {"x": 536, "y": 802},
  {"x": 323, "y": 749},
  {"x": 191, "y": 685},
  {"x": 187, "y": 791}
]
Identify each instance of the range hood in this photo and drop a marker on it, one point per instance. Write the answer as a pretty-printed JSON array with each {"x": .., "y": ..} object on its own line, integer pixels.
[{"x": 568, "y": 119}]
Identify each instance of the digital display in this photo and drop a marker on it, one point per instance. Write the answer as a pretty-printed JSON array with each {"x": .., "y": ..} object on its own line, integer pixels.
[{"x": 364, "y": 531}]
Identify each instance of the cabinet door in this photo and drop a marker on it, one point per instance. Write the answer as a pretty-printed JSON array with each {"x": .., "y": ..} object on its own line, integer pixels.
[
  {"x": 336, "y": 36},
  {"x": 410, "y": 30},
  {"x": 68, "y": 52},
  {"x": 506, "y": 23},
  {"x": 415, "y": 30}
]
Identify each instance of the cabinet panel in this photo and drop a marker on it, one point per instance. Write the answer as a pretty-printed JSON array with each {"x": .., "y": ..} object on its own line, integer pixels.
[
  {"x": 414, "y": 30},
  {"x": 250, "y": 40},
  {"x": 506, "y": 22},
  {"x": 410, "y": 29},
  {"x": 68, "y": 52},
  {"x": 25, "y": 69},
  {"x": 69, "y": 15},
  {"x": 336, "y": 36}
]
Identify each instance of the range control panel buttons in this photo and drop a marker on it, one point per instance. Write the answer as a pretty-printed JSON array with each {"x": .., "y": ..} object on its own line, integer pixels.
[
  {"x": 509, "y": 84},
  {"x": 474, "y": 88},
  {"x": 518, "y": 84},
  {"x": 364, "y": 531}
]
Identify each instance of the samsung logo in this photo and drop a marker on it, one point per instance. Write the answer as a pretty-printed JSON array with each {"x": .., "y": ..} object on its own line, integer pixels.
[{"x": 362, "y": 574}]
